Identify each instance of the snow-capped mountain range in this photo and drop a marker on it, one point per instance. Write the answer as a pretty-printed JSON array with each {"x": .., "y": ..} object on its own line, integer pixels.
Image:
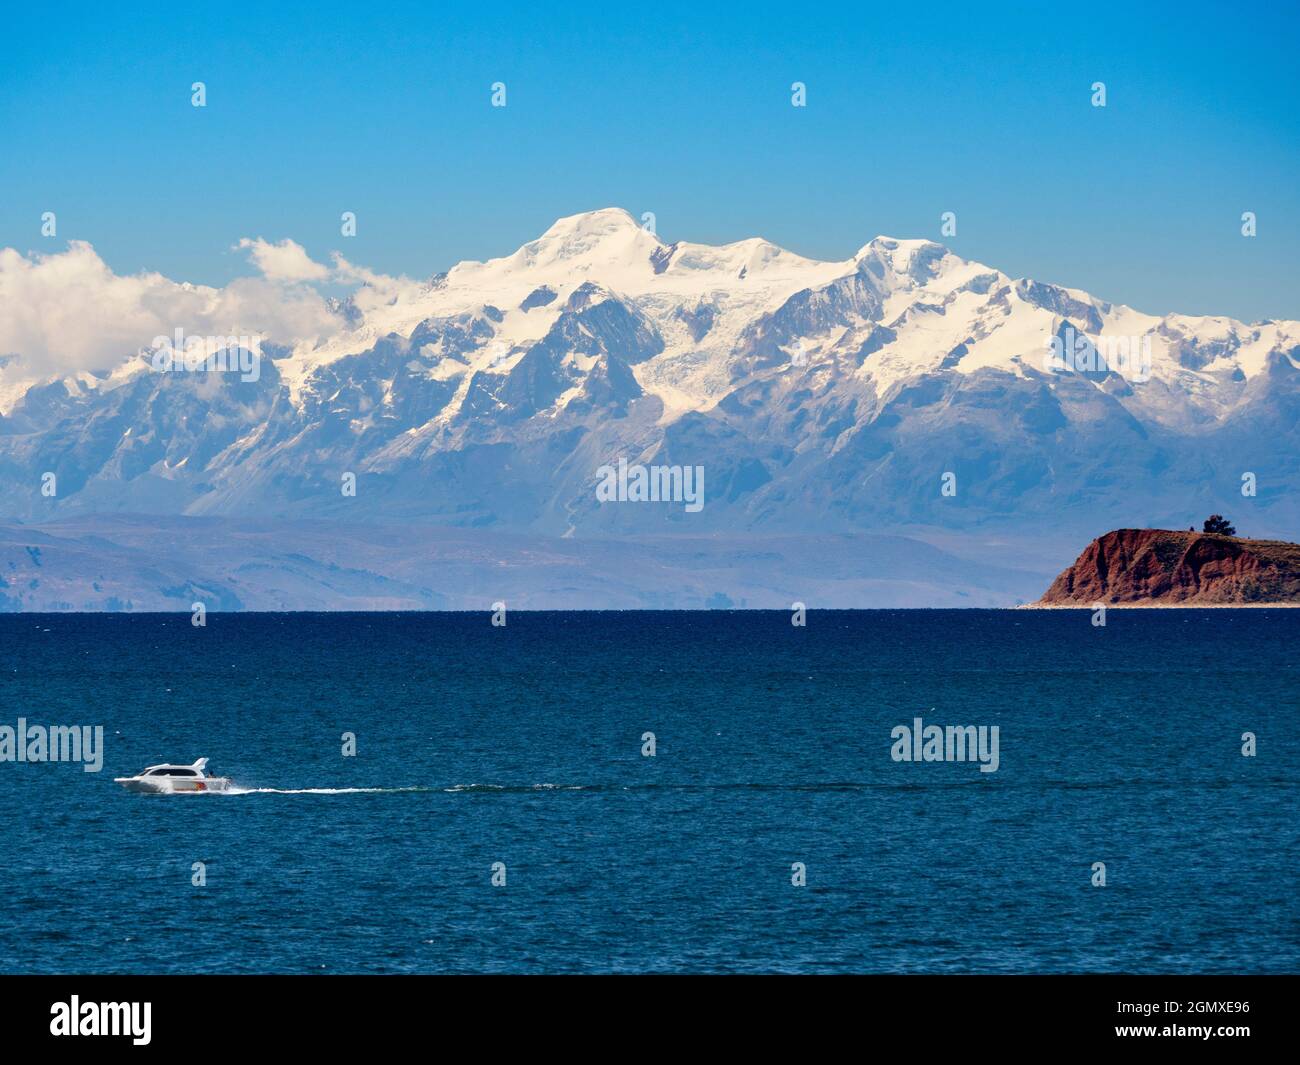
[{"x": 827, "y": 397}]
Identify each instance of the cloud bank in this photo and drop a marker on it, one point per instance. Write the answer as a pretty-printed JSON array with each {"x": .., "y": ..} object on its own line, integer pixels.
[{"x": 68, "y": 311}]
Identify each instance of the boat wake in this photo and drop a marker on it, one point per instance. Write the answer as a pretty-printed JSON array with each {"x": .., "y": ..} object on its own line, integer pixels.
[
  {"x": 519, "y": 789},
  {"x": 734, "y": 786},
  {"x": 237, "y": 790}
]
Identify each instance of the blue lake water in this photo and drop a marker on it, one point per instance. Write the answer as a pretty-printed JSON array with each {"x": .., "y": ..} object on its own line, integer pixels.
[{"x": 523, "y": 745}]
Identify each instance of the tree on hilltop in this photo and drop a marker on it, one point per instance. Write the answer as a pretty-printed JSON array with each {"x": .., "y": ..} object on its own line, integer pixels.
[{"x": 1217, "y": 523}]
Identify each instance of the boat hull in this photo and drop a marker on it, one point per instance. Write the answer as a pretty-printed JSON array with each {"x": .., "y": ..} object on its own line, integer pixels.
[{"x": 173, "y": 785}]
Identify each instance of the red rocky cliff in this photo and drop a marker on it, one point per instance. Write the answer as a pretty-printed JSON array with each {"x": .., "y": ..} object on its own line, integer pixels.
[{"x": 1156, "y": 567}]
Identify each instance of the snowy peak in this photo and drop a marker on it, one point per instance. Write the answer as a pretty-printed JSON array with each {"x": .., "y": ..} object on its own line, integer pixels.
[
  {"x": 908, "y": 264},
  {"x": 901, "y": 255},
  {"x": 604, "y": 240},
  {"x": 587, "y": 228},
  {"x": 826, "y": 392},
  {"x": 610, "y": 246}
]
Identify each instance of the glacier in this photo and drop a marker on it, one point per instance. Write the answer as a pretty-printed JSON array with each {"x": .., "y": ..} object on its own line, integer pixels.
[{"x": 829, "y": 403}]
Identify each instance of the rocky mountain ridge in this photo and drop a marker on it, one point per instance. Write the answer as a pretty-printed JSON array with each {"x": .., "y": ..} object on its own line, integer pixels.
[{"x": 1160, "y": 567}]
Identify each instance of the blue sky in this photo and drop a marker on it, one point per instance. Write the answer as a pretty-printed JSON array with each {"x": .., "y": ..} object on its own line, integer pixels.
[{"x": 685, "y": 111}]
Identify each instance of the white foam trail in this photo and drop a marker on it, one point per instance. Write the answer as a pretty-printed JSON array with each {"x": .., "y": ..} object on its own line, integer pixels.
[
  {"x": 237, "y": 790},
  {"x": 317, "y": 791},
  {"x": 516, "y": 787}
]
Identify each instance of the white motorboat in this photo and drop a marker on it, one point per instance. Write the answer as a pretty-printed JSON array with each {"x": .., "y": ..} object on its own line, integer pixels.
[{"x": 174, "y": 780}]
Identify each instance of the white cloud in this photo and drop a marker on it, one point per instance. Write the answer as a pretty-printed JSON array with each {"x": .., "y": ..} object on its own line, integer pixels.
[
  {"x": 375, "y": 290},
  {"x": 69, "y": 311},
  {"x": 286, "y": 261}
]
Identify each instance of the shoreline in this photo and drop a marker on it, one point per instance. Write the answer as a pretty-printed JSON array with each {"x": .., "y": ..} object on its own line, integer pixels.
[{"x": 1159, "y": 606}]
